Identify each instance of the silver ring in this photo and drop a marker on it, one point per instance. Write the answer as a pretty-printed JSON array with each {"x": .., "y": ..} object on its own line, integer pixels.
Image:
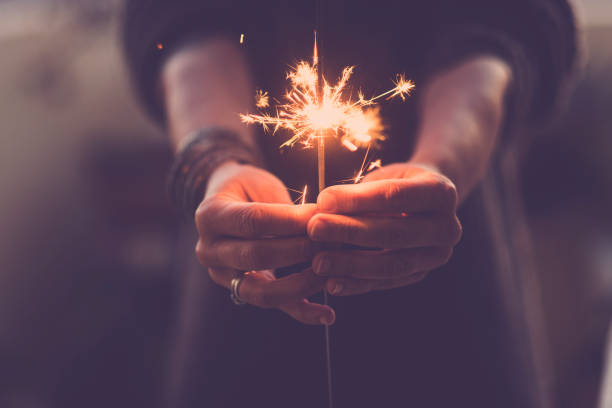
[{"x": 235, "y": 287}]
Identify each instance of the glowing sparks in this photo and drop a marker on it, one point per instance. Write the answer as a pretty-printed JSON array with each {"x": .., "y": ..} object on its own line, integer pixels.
[
  {"x": 363, "y": 170},
  {"x": 262, "y": 100},
  {"x": 313, "y": 110},
  {"x": 366, "y": 167},
  {"x": 349, "y": 145},
  {"x": 160, "y": 46},
  {"x": 375, "y": 165},
  {"x": 403, "y": 87},
  {"x": 304, "y": 195},
  {"x": 241, "y": 38}
]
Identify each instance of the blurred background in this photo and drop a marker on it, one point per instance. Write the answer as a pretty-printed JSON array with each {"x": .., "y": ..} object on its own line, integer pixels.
[{"x": 90, "y": 262}]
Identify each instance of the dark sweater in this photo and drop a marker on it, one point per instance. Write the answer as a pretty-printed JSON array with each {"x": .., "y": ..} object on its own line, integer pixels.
[{"x": 469, "y": 334}]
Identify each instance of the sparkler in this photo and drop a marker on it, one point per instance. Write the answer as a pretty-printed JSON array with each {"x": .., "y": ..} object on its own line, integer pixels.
[
  {"x": 365, "y": 167},
  {"x": 303, "y": 195},
  {"x": 262, "y": 100},
  {"x": 313, "y": 109}
]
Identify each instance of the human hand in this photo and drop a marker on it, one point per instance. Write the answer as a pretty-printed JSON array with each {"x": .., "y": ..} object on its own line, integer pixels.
[
  {"x": 404, "y": 212},
  {"x": 247, "y": 222}
]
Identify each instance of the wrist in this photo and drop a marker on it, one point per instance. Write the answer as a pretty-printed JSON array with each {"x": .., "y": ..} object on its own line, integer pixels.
[{"x": 206, "y": 153}]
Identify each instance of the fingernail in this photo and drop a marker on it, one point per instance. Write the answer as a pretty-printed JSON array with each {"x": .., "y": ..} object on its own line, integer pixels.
[
  {"x": 314, "y": 228},
  {"x": 335, "y": 288},
  {"x": 323, "y": 266},
  {"x": 326, "y": 202}
]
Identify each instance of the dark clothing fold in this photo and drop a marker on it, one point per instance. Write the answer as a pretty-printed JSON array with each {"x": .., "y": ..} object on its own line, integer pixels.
[
  {"x": 467, "y": 336},
  {"x": 535, "y": 36}
]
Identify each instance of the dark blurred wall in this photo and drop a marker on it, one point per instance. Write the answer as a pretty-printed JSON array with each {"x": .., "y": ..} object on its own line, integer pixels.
[
  {"x": 88, "y": 246},
  {"x": 567, "y": 182}
]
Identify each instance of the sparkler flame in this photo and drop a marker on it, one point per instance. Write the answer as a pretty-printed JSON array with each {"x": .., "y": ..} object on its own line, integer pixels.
[
  {"x": 262, "y": 100},
  {"x": 313, "y": 110}
]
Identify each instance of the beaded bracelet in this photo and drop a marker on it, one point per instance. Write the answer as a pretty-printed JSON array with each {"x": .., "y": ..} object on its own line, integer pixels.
[{"x": 200, "y": 154}]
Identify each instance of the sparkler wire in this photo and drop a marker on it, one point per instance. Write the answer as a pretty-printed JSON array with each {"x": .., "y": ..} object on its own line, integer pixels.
[
  {"x": 317, "y": 59},
  {"x": 313, "y": 110}
]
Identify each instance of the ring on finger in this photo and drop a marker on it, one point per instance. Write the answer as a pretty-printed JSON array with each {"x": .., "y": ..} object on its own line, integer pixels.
[{"x": 234, "y": 291}]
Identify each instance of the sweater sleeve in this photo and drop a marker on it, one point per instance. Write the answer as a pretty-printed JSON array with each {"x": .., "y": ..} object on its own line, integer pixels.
[
  {"x": 153, "y": 29},
  {"x": 537, "y": 38}
]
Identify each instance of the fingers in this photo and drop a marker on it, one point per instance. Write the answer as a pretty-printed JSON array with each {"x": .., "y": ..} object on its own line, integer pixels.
[
  {"x": 423, "y": 193},
  {"x": 350, "y": 286},
  {"x": 245, "y": 255},
  {"x": 263, "y": 290},
  {"x": 378, "y": 265},
  {"x": 387, "y": 232},
  {"x": 221, "y": 216},
  {"x": 287, "y": 294},
  {"x": 310, "y": 313},
  {"x": 267, "y": 293}
]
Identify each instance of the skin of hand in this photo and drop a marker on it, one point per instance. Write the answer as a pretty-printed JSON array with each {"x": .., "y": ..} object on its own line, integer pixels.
[
  {"x": 404, "y": 214},
  {"x": 247, "y": 222}
]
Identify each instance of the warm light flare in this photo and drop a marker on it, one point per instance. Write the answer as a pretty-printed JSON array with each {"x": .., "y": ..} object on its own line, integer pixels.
[
  {"x": 262, "y": 100},
  {"x": 347, "y": 143},
  {"x": 312, "y": 110},
  {"x": 375, "y": 165},
  {"x": 402, "y": 87}
]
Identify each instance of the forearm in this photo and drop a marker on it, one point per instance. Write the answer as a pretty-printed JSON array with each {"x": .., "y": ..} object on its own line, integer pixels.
[
  {"x": 204, "y": 85},
  {"x": 462, "y": 112}
]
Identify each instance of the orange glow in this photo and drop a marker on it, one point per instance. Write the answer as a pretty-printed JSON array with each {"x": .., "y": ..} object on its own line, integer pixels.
[
  {"x": 402, "y": 87},
  {"x": 262, "y": 100},
  {"x": 347, "y": 143},
  {"x": 374, "y": 165},
  {"x": 308, "y": 114},
  {"x": 160, "y": 46}
]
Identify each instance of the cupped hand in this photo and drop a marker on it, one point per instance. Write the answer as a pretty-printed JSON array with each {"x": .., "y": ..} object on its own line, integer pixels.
[
  {"x": 247, "y": 223},
  {"x": 404, "y": 216}
]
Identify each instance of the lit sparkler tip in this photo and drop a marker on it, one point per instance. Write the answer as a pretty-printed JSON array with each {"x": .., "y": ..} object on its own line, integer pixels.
[{"x": 242, "y": 38}]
